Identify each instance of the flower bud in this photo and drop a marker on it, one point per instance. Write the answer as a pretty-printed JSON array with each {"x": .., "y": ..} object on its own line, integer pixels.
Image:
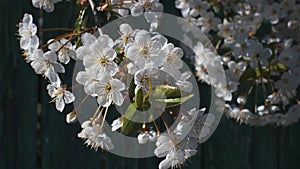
[
  {"x": 293, "y": 24},
  {"x": 241, "y": 100},
  {"x": 143, "y": 138},
  {"x": 71, "y": 118}
]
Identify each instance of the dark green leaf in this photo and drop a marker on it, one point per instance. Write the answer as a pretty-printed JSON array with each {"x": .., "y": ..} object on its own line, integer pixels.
[
  {"x": 174, "y": 101},
  {"x": 139, "y": 99},
  {"x": 129, "y": 126},
  {"x": 248, "y": 74},
  {"x": 173, "y": 96}
]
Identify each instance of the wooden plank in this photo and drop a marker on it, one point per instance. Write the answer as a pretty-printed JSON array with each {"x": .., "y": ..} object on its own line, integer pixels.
[
  {"x": 289, "y": 147},
  {"x": 60, "y": 146},
  {"x": 17, "y": 95},
  {"x": 263, "y": 152},
  {"x": 228, "y": 147},
  {"x": 195, "y": 161}
]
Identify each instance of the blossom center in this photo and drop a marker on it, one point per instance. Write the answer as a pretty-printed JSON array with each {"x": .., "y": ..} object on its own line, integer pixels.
[
  {"x": 148, "y": 4},
  {"x": 28, "y": 33},
  {"x": 103, "y": 61},
  {"x": 62, "y": 51},
  {"x": 59, "y": 92},
  {"x": 145, "y": 51},
  {"x": 108, "y": 87},
  {"x": 171, "y": 58},
  {"x": 126, "y": 39}
]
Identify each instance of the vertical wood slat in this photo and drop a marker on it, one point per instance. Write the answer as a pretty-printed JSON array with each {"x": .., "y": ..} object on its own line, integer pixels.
[
  {"x": 263, "y": 153},
  {"x": 289, "y": 150},
  {"x": 228, "y": 147},
  {"x": 18, "y": 94}
]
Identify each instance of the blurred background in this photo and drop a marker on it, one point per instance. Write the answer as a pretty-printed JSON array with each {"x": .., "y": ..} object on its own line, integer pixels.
[{"x": 33, "y": 135}]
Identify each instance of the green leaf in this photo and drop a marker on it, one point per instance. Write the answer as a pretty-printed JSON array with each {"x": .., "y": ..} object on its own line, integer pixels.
[
  {"x": 248, "y": 74},
  {"x": 166, "y": 91},
  {"x": 281, "y": 66},
  {"x": 173, "y": 96},
  {"x": 130, "y": 127},
  {"x": 277, "y": 67},
  {"x": 139, "y": 99},
  {"x": 175, "y": 101},
  {"x": 131, "y": 89}
]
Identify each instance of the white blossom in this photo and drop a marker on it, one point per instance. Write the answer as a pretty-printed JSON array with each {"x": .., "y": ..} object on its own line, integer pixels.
[
  {"x": 235, "y": 70},
  {"x": 208, "y": 22},
  {"x": 27, "y": 31},
  {"x": 60, "y": 95},
  {"x": 198, "y": 8},
  {"x": 287, "y": 5},
  {"x": 144, "y": 50},
  {"x": 64, "y": 49},
  {"x": 84, "y": 50},
  {"x": 184, "y": 5},
  {"x": 94, "y": 137},
  {"x": 116, "y": 124},
  {"x": 174, "y": 55},
  {"x": 126, "y": 35},
  {"x": 175, "y": 150},
  {"x": 47, "y": 65},
  {"x": 147, "y": 136},
  {"x": 47, "y": 5},
  {"x": 287, "y": 82},
  {"x": 88, "y": 79},
  {"x": 109, "y": 90},
  {"x": 146, "y": 6},
  {"x": 183, "y": 82},
  {"x": 101, "y": 56},
  {"x": 225, "y": 91},
  {"x": 288, "y": 57},
  {"x": 273, "y": 12}
]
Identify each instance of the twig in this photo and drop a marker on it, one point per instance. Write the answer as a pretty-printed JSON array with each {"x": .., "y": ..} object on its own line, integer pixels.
[
  {"x": 56, "y": 29},
  {"x": 103, "y": 120}
]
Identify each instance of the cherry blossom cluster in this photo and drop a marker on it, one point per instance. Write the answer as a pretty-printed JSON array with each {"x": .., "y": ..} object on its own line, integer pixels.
[
  {"x": 149, "y": 8},
  {"x": 157, "y": 86},
  {"x": 259, "y": 46},
  {"x": 47, "y": 63},
  {"x": 178, "y": 147},
  {"x": 152, "y": 62},
  {"x": 47, "y": 5}
]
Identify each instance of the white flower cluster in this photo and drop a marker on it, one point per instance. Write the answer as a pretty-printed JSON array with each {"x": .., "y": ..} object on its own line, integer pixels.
[
  {"x": 47, "y": 5},
  {"x": 210, "y": 70},
  {"x": 94, "y": 137},
  {"x": 148, "y": 8},
  {"x": 138, "y": 7},
  {"x": 144, "y": 51},
  {"x": 259, "y": 44},
  {"x": 158, "y": 83},
  {"x": 178, "y": 146},
  {"x": 100, "y": 68},
  {"x": 147, "y": 56},
  {"x": 47, "y": 63},
  {"x": 27, "y": 31}
]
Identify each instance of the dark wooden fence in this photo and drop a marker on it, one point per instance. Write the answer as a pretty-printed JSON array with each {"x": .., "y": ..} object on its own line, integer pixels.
[{"x": 33, "y": 135}]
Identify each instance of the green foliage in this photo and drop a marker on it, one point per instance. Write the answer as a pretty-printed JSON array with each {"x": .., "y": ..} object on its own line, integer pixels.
[
  {"x": 162, "y": 97},
  {"x": 130, "y": 126}
]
